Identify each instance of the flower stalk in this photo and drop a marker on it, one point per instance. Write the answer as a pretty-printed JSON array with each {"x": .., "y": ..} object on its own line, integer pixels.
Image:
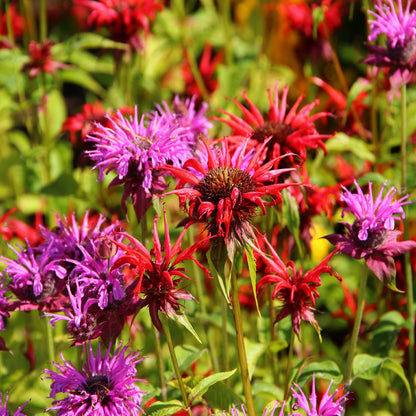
[
  {"x": 407, "y": 265},
  {"x": 175, "y": 364},
  {"x": 242, "y": 356},
  {"x": 356, "y": 328}
]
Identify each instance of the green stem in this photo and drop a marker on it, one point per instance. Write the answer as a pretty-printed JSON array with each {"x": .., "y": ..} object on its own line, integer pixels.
[
  {"x": 356, "y": 328},
  {"x": 224, "y": 340},
  {"x": 273, "y": 357},
  {"x": 242, "y": 356},
  {"x": 199, "y": 280},
  {"x": 289, "y": 363},
  {"x": 159, "y": 363},
  {"x": 43, "y": 20},
  {"x": 407, "y": 265},
  {"x": 175, "y": 364},
  {"x": 49, "y": 341},
  {"x": 224, "y": 6}
]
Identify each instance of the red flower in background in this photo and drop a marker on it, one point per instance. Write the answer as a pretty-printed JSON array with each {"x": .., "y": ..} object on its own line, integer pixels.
[
  {"x": 290, "y": 132},
  {"x": 125, "y": 20},
  {"x": 17, "y": 26},
  {"x": 41, "y": 59},
  {"x": 300, "y": 17},
  {"x": 80, "y": 124},
  {"x": 207, "y": 67},
  {"x": 12, "y": 227},
  {"x": 296, "y": 290}
]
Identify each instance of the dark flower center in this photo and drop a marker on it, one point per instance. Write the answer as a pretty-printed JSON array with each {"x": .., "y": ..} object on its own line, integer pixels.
[
  {"x": 219, "y": 183},
  {"x": 84, "y": 331},
  {"x": 278, "y": 132},
  {"x": 375, "y": 237},
  {"x": 405, "y": 55},
  {"x": 98, "y": 385}
]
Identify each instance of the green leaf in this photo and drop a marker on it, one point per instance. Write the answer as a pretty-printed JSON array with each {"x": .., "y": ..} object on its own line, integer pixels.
[
  {"x": 291, "y": 216},
  {"x": 396, "y": 368},
  {"x": 220, "y": 396},
  {"x": 187, "y": 354},
  {"x": 355, "y": 90},
  {"x": 368, "y": 367},
  {"x": 164, "y": 408},
  {"x": 89, "y": 40},
  {"x": 55, "y": 113},
  {"x": 341, "y": 143},
  {"x": 251, "y": 261},
  {"x": 64, "y": 185},
  {"x": 385, "y": 332},
  {"x": 82, "y": 78},
  {"x": 327, "y": 370},
  {"x": 207, "y": 382},
  {"x": 217, "y": 270},
  {"x": 254, "y": 351},
  {"x": 182, "y": 319}
]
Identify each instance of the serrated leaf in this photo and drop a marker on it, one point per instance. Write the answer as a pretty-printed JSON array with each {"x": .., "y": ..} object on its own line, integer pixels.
[
  {"x": 207, "y": 382},
  {"x": 164, "y": 408},
  {"x": 368, "y": 367},
  {"x": 327, "y": 370}
]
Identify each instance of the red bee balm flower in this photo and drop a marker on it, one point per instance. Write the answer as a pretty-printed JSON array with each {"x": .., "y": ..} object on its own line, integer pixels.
[
  {"x": 158, "y": 278},
  {"x": 226, "y": 192},
  {"x": 289, "y": 132},
  {"x": 41, "y": 59},
  {"x": 297, "y": 291},
  {"x": 124, "y": 19}
]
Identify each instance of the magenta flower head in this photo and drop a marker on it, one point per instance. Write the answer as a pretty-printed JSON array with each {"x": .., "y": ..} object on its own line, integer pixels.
[
  {"x": 372, "y": 235},
  {"x": 3, "y": 407},
  {"x": 104, "y": 386},
  {"x": 134, "y": 149},
  {"x": 399, "y": 28},
  {"x": 327, "y": 406},
  {"x": 184, "y": 114}
]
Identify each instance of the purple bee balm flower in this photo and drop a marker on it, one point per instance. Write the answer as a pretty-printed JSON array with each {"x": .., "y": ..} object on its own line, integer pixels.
[
  {"x": 184, "y": 115},
  {"x": 372, "y": 235},
  {"x": 105, "y": 385},
  {"x": 327, "y": 406},
  {"x": 5, "y": 306},
  {"x": 268, "y": 411},
  {"x": 35, "y": 278},
  {"x": 3, "y": 408},
  {"x": 134, "y": 149},
  {"x": 82, "y": 325},
  {"x": 399, "y": 28}
]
